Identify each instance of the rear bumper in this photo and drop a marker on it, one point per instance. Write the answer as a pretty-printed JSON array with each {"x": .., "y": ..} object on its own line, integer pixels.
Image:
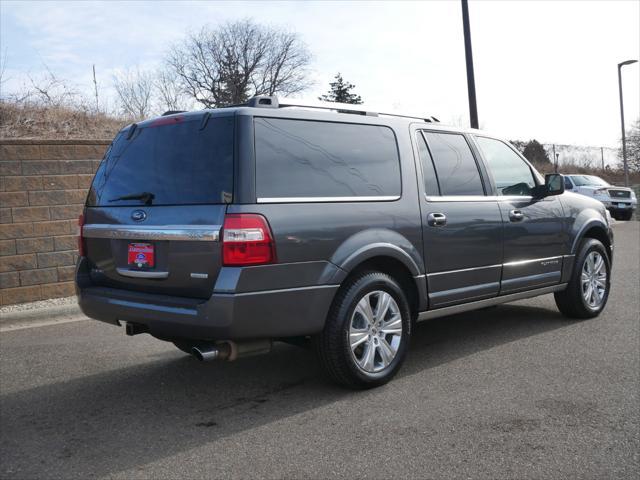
[{"x": 225, "y": 316}]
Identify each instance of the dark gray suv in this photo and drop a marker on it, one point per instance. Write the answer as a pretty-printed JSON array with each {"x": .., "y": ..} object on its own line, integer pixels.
[{"x": 224, "y": 230}]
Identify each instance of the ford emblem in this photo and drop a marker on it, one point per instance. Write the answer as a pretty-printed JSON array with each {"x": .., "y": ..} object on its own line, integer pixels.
[{"x": 139, "y": 215}]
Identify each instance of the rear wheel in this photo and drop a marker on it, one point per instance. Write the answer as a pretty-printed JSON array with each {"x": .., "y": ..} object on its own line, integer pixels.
[
  {"x": 366, "y": 336},
  {"x": 588, "y": 289}
]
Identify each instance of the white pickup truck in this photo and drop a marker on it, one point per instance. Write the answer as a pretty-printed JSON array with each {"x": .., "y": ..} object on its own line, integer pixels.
[{"x": 620, "y": 201}]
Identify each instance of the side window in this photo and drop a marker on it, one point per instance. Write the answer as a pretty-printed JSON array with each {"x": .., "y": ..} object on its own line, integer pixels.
[
  {"x": 456, "y": 169},
  {"x": 567, "y": 183},
  {"x": 428, "y": 171},
  {"x": 307, "y": 159},
  {"x": 511, "y": 174}
]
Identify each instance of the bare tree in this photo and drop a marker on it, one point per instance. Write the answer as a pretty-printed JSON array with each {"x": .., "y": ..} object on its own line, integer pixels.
[
  {"x": 227, "y": 65},
  {"x": 134, "y": 89},
  {"x": 95, "y": 89},
  {"x": 3, "y": 69},
  {"x": 633, "y": 147},
  {"x": 49, "y": 90},
  {"x": 169, "y": 92}
]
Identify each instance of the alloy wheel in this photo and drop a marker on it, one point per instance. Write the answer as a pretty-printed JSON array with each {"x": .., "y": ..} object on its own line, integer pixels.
[
  {"x": 594, "y": 279},
  {"x": 375, "y": 331}
]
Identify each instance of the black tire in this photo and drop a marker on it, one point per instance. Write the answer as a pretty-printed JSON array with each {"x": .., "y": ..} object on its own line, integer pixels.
[
  {"x": 333, "y": 347},
  {"x": 571, "y": 301}
]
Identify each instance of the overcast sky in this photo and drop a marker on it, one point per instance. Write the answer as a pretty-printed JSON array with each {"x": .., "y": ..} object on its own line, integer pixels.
[{"x": 544, "y": 69}]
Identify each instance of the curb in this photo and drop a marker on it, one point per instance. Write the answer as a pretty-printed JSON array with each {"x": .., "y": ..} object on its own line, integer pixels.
[{"x": 38, "y": 315}]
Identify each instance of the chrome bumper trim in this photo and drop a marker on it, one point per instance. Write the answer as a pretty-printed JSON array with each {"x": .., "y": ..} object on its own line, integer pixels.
[
  {"x": 192, "y": 233},
  {"x": 141, "y": 273}
]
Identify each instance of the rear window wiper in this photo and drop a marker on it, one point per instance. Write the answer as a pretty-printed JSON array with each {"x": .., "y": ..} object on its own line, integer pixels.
[{"x": 146, "y": 197}]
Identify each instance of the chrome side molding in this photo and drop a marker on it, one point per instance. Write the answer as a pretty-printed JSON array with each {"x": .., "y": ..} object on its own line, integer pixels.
[
  {"x": 380, "y": 198},
  {"x": 141, "y": 273},
  {"x": 465, "y": 307},
  {"x": 192, "y": 233},
  {"x": 543, "y": 261}
]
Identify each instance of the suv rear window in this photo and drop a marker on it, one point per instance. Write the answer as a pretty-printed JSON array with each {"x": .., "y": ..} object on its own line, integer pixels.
[
  {"x": 307, "y": 159},
  {"x": 168, "y": 162},
  {"x": 455, "y": 165}
]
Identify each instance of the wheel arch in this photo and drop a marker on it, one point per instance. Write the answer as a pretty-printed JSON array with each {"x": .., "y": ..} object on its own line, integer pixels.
[
  {"x": 597, "y": 230},
  {"x": 414, "y": 286}
]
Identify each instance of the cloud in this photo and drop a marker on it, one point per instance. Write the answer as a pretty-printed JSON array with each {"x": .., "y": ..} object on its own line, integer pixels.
[{"x": 543, "y": 69}]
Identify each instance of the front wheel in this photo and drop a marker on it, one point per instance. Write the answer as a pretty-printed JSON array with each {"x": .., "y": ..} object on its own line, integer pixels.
[
  {"x": 366, "y": 336},
  {"x": 588, "y": 289}
]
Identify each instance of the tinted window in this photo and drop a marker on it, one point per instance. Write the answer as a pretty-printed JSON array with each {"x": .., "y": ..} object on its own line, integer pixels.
[
  {"x": 455, "y": 166},
  {"x": 428, "y": 172},
  {"x": 567, "y": 183},
  {"x": 511, "y": 174},
  {"x": 297, "y": 158},
  {"x": 177, "y": 163}
]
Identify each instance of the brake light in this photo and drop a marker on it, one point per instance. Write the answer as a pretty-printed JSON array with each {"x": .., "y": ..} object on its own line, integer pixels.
[
  {"x": 166, "y": 121},
  {"x": 246, "y": 240},
  {"x": 81, "y": 247}
]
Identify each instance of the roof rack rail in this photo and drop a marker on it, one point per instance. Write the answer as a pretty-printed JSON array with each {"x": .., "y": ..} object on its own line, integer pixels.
[
  {"x": 271, "y": 101},
  {"x": 172, "y": 112}
]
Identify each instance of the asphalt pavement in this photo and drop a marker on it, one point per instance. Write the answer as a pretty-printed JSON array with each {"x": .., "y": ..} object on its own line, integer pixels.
[{"x": 515, "y": 391}]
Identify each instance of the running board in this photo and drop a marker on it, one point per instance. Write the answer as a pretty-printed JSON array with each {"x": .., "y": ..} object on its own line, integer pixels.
[{"x": 465, "y": 307}]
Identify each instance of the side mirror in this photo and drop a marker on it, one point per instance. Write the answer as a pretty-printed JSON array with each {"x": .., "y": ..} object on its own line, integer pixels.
[{"x": 553, "y": 185}]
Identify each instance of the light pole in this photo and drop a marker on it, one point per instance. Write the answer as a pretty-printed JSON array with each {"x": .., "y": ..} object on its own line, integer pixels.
[
  {"x": 624, "y": 147},
  {"x": 471, "y": 82}
]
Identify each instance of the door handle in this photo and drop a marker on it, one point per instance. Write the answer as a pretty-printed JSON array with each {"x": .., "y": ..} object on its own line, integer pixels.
[
  {"x": 516, "y": 215},
  {"x": 436, "y": 219}
]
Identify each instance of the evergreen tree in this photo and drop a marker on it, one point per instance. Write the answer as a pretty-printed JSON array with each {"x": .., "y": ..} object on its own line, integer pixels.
[
  {"x": 340, "y": 92},
  {"x": 519, "y": 144},
  {"x": 535, "y": 152}
]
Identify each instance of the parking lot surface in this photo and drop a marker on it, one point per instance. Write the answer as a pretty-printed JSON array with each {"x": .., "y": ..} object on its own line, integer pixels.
[{"x": 515, "y": 391}]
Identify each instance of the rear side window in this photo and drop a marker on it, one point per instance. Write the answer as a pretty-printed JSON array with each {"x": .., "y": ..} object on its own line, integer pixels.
[
  {"x": 428, "y": 171},
  {"x": 168, "y": 162},
  {"x": 307, "y": 159},
  {"x": 455, "y": 165}
]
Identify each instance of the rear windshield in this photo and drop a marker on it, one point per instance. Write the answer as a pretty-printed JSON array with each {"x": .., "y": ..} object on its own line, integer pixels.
[{"x": 172, "y": 161}]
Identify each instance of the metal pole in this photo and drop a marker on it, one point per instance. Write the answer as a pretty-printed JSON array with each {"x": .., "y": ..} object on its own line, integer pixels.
[
  {"x": 624, "y": 147},
  {"x": 555, "y": 159},
  {"x": 602, "y": 156},
  {"x": 471, "y": 82}
]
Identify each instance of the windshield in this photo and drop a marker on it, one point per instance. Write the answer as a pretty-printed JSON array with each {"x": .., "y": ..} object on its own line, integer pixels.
[
  {"x": 588, "y": 180},
  {"x": 171, "y": 161}
]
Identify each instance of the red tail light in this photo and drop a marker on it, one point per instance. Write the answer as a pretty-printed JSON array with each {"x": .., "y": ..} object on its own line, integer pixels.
[
  {"x": 246, "y": 240},
  {"x": 81, "y": 248}
]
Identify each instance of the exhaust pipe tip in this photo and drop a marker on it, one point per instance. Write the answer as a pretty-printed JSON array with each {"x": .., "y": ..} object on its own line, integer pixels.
[
  {"x": 205, "y": 354},
  {"x": 228, "y": 350}
]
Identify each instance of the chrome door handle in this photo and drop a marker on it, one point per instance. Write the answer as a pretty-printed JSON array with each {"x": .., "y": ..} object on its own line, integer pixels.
[
  {"x": 436, "y": 219},
  {"x": 516, "y": 215}
]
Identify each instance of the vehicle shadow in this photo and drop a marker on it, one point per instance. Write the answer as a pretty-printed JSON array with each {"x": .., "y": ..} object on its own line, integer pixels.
[{"x": 121, "y": 419}]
